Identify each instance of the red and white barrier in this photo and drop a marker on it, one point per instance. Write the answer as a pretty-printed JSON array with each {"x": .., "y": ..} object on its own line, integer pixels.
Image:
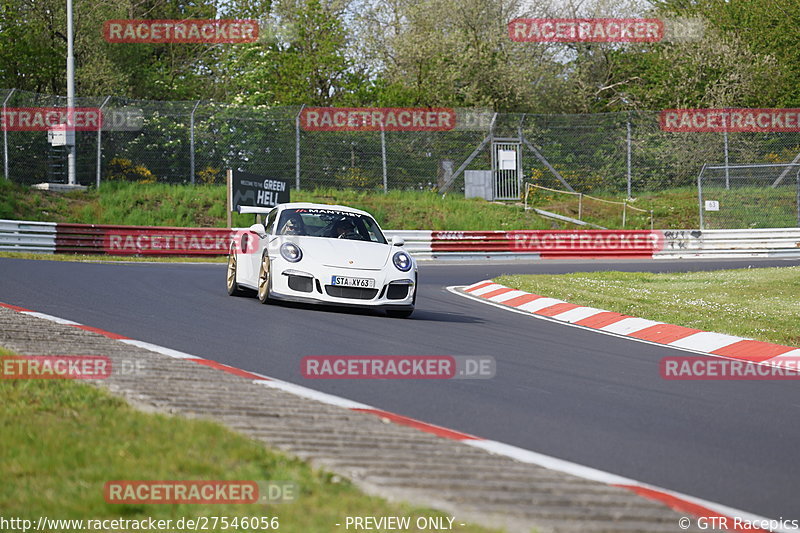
[
  {"x": 51, "y": 237},
  {"x": 555, "y": 244}
]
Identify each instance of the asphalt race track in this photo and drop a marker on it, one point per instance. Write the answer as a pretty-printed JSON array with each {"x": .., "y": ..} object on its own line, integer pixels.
[{"x": 590, "y": 398}]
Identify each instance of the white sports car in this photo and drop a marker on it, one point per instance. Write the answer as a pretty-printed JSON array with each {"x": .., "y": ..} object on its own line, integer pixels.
[{"x": 319, "y": 253}]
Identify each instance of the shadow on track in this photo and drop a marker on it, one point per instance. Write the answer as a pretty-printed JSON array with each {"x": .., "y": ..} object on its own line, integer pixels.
[{"x": 419, "y": 314}]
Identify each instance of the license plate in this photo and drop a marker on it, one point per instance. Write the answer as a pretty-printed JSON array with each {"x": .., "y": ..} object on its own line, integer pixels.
[{"x": 353, "y": 282}]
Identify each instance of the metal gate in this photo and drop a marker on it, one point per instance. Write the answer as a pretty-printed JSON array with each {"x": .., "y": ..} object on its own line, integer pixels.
[{"x": 506, "y": 169}]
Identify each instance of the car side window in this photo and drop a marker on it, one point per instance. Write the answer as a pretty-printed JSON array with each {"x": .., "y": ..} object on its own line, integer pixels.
[{"x": 271, "y": 220}]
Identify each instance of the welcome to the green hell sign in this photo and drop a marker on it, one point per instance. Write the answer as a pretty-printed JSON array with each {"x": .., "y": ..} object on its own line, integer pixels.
[{"x": 258, "y": 191}]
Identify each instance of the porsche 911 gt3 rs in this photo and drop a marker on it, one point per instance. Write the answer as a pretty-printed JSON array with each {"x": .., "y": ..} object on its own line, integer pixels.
[{"x": 318, "y": 253}]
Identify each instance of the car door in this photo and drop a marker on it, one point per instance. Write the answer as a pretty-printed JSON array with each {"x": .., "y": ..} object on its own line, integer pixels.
[{"x": 255, "y": 249}]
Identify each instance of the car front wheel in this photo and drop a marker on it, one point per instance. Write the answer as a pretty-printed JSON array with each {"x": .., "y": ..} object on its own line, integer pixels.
[{"x": 264, "y": 280}]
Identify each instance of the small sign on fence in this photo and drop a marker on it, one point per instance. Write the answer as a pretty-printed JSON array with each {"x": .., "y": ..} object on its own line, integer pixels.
[
  {"x": 60, "y": 135},
  {"x": 712, "y": 205}
]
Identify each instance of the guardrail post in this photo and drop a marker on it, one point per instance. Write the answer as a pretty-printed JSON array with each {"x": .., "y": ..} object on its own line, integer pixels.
[
  {"x": 99, "y": 141},
  {"x": 5, "y": 135}
]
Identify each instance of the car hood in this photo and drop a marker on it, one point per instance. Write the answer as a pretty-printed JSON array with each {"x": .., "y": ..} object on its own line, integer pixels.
[{"x": 344, "y": 253}]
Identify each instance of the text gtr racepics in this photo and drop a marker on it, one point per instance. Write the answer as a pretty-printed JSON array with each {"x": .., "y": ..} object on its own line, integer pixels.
[{"x": 319, "y": 253}]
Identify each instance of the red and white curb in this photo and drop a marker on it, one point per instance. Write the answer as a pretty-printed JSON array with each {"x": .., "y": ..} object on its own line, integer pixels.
[
  {"x": 681, "y": 503},
  {"x": 640, "y": 329}
]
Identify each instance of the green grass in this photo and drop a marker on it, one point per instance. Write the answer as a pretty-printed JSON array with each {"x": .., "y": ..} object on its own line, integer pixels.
[
  {"x": 428, "y": 210},
  {"x": 204, "y": 206},
  {"x": 672, "y": 208},
  {"x": 759, "y": 303},
  {"x": 120, "y": 203},
  {"x": 62, "y": 440},
  {"x": 160, "y": 204}
]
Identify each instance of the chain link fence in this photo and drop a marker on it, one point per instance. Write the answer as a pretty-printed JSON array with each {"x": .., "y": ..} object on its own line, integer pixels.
[
  {"x": 623, "y": 154},
  {"x": 749, "y": 196}
]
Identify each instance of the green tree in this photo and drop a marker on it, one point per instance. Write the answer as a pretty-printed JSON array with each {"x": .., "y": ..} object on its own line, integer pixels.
[
  {"x": 33, "y": 48},
  {"x": 456, "y": 53},
  {"x": 304, "y": 62}
]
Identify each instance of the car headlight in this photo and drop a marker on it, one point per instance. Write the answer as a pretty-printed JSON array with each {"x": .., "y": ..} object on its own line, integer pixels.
[
  {"x": 291, "y": 252},
  {"x": 402, "y": 261}
]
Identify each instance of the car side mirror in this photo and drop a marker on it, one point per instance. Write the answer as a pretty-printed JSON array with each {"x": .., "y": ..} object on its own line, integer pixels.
[
  {"x": 259, "y": 230},
  {"x": 398, "y": 241}
]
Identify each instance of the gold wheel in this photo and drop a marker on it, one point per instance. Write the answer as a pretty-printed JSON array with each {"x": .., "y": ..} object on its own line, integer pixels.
[
  {"x": 233, "y": 287},
  {"x": 264, "y": 280}
]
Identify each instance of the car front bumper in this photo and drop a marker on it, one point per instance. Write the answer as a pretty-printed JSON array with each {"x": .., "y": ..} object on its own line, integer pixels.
[{"x": 392, "y": 290}]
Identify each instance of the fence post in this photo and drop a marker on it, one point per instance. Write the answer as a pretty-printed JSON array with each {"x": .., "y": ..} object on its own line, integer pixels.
[
  {"x": 383, "y": 158},
  {"x": 580, "y": 206},
  {"x": 725, "y": 139},
  {"x": 191, "y": 143},
  {"x": 297, "y": 149},
  {"x": 700, "y": 195},
  {"x": 798, "y": 198},
  {"x": 727, "y": 172},
  {"x": 629, "y": 155},
  {"x": 99, "y": 141},
  {"x": 5, "y": 135}
]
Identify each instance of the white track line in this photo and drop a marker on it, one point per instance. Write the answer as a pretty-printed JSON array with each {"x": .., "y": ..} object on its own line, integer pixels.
[{"x": 160, "y": 349}]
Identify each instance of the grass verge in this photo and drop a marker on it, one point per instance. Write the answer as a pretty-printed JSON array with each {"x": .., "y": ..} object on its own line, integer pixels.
[
  {"x": 759, "y": 303},
  {"x": 63, "y": 440},
  {"x": 204, "y": 206}
]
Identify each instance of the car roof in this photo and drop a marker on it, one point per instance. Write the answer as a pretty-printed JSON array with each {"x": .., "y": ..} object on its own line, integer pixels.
[{"x": 309, "y": 205}]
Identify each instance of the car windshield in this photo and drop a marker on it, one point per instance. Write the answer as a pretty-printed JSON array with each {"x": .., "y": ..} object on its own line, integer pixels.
[{"x": 329, "y": 223}]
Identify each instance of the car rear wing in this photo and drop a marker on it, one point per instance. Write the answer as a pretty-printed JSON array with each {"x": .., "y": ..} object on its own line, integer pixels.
[{"x": 244, "y": 209}]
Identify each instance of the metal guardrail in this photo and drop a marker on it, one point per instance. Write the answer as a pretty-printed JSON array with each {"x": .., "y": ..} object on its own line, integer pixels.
[
  {"x": 688, "y": 244},
  {"x": 24, "y": 236},
  {"x": 50, "y": 237}
]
